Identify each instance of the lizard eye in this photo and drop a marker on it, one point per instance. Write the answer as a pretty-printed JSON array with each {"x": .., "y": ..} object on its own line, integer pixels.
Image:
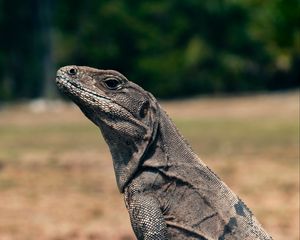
[
  {"x": 112, "y": 83},
  {"x": 72, "y": 71}
]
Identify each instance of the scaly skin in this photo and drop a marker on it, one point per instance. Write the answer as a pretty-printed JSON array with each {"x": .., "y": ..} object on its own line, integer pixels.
[{"x": 169, "y": 192}]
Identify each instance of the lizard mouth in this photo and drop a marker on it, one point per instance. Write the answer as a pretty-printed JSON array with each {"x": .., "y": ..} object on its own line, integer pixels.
[
  {"x": 83, "y": 96},
  {"x": 77, "y": 90}
]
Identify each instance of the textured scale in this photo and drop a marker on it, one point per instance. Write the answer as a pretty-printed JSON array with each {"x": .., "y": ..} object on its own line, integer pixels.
[{"x": 168, "y": 191}]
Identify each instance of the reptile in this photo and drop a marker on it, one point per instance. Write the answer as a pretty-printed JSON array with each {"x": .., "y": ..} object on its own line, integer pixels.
[{"x": 168, "y": 190}]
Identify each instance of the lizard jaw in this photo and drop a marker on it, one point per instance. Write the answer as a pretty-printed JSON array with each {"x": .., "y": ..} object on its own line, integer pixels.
[{"x": 77, "y": 92}]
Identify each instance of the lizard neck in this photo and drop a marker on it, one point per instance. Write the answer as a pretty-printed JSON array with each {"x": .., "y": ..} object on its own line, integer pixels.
[{"x": 169, "y": 146}]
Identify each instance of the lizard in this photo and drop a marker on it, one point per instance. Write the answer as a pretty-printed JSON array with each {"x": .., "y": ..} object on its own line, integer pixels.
[{"x": 169, "y": 192}]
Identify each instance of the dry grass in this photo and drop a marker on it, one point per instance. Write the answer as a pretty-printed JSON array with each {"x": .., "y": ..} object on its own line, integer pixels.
[{"x": 57, "y": 180}]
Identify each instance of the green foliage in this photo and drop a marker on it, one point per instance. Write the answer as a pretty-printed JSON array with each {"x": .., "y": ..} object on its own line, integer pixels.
[{"x": 172, "y": 48}]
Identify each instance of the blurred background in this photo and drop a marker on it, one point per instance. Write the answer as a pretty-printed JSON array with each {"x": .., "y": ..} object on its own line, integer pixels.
[
  {"x": 227, "y": 72},
  {"x": 173, "y": 48}
]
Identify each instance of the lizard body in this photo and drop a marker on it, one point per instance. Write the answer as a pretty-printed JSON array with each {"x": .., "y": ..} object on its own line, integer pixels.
[{"x": 169, "y": 192}]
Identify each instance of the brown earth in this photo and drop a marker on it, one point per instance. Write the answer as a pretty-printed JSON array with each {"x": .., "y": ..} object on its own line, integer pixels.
[{"x": 57, "y": 180}]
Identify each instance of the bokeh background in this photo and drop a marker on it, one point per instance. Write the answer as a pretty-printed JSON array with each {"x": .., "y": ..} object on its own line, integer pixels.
[
  {"x": 227, "y": 72},
  {"x": 173, "y": 48}
]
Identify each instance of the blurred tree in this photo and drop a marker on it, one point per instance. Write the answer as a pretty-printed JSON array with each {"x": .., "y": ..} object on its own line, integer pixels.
[
  {"x": 45, "y": 15},
  {"x": 26, "y": 49},
  {"x": 277, "y": 24},
  {"x": 172, "y": 48}
]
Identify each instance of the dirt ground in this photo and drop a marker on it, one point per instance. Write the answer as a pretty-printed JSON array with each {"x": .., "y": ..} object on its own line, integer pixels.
[{"x": 57, "y": 180}]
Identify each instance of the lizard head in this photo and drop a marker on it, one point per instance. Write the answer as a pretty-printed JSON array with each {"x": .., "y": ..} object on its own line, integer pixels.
[{"x": 125, "y": 113}]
